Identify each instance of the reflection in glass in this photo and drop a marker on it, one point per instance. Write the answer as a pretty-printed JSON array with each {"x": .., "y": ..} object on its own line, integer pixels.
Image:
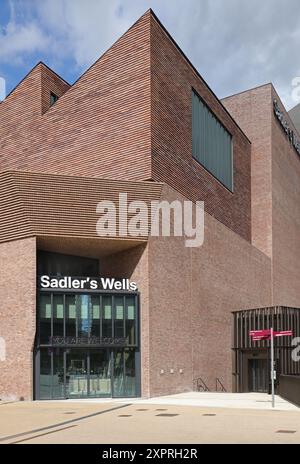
[
  {"x": 45, "y": 374},
  {"x": 70, "y": 316},
  {"x": 95, "y": 317},
  {"x": 100, "y": 373},
  {"x": 107, "y": 316},
  {"x": 130, "y": 320},
  {"x": 58, "y": 315},
  {"x": 76, "y": 374},
  {"x": 130, "y": 383},
  {"x": 118, "y": 373},
  {"x": 87, "y": 370},
  {"x": 45, "y": 318},
  {"x": 83, "y": 302},
  {"x": 58, "y": 374},
  {"x": 119, "y": 317}
]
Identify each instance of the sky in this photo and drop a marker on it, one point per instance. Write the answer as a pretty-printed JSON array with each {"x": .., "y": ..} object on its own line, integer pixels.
[{"x": 234, "y": 44}]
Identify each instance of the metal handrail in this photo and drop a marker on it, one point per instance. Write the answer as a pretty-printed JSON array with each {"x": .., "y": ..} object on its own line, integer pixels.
[
  {"x": 218, "y": 382},
  {"x": 201, "y": 385}
]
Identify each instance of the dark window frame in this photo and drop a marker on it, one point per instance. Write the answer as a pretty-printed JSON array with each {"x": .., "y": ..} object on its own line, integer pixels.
[
  {"x": 99, "y": 294},
  {"x": 231, "y": 188},
  {"x": 53, "y": 98}
]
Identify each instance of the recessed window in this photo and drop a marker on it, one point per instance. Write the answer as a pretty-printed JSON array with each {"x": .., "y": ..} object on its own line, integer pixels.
[
  {"x": 212, "y": 143},
  {"x": 53, "y": 98}
]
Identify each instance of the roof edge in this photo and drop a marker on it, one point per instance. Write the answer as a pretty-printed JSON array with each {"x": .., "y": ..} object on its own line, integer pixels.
[
  {"x": 39, "y": 63},
  {"x": 196, "y": 71}
]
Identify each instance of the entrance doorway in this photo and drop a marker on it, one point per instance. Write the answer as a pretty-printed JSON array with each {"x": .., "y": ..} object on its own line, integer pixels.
[
  {"x": 86, "y": 373},
  {"x": 258, "y": 375},
  {"x": 87, "y": 345}
]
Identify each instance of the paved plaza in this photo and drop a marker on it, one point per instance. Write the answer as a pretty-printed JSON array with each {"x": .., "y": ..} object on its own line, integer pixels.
[{"x": 185, "y": 418}]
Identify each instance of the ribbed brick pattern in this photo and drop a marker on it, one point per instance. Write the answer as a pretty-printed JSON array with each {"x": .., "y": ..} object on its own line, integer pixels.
[
  {"x": 100, "y": 127},
  {"x": 50, "y": 82},
  {"x": 127, "y": 117},
  {"x": 44, "y": 204}
]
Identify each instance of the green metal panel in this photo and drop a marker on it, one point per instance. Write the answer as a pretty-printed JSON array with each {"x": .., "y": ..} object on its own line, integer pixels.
[{"x": 212, "y": 143}]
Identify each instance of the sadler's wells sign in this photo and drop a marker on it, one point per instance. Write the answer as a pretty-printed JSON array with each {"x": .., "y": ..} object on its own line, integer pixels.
[
  {"x": 285, "y": 126},
  {"x": 86, "y": 283}
]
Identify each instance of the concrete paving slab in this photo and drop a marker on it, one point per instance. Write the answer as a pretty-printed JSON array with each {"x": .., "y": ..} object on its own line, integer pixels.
[
  {"x": 150, "y": 421},
  {"x": 260, "y": 401}
]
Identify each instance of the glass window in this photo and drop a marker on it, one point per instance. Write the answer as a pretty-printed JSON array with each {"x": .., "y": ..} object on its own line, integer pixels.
[
  {"x": 118, "y": 383},
  {"x": 130, "y": 320},
  {"x": 212, "y": 143},
  {"x": 70, "y": 316},
  {"x": 130, "y": 380},
  {"x": 56, "y": 264},
  {"x": 106, "y": 316},
  {"x": 95, "y": 317},
  {"x": 45, "y": 318},
  {"x": 119, "y": 316},
  {"x": 58, "y": 315},
  {"x": 45, "y": 374},
  {"x": 83, "y": 315},
  {"x": 53, "y": 98},
  {"x": 58, "y": 374},
  {"x": 100, "y": 373}
]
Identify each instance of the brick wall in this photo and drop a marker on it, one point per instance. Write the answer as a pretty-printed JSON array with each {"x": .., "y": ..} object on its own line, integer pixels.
[
  {"x": 50, "y": 82},
  {"x": 251, "y": 109},
  {"x": 17, "y": 317},
  {"x": 286, "y": 214},
  {"x": 192, "y": 292},
  {"x": 134, "y": 102},
  {"x": 99, "y": 127},
  {"x": 275, "y": 189}
]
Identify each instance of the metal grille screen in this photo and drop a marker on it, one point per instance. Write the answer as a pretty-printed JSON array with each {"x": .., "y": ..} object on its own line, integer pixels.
[{"x": 212, "y": 143}]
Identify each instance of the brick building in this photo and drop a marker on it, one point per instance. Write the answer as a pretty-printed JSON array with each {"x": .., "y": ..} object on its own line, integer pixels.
[{"x": 142, "y": 121}]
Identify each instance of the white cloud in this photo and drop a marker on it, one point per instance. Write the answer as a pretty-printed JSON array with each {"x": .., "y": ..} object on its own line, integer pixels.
[
  {"x": 17, "y": 40},
  {"x": 235, "y": 44},
  {"x": 84, "y": 29}
]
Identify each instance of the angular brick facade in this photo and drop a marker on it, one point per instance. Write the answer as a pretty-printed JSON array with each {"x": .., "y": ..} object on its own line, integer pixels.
[
  {"x": 125, "y": 126},
  {"x": 275, "y": 188},
  {"x": 128, "y": 117}
]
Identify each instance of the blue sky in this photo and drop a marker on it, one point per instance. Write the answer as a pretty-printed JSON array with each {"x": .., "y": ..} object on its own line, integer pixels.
[{"x": 234, "y": 44}]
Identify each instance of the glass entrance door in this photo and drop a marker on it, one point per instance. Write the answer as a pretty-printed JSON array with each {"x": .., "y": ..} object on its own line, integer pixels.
[
  {"x": 124, "y": 373},
  {"x": 82, "y": 373},
  {"x": 258, "y": 375},
  {"x": 76, "y": 373},
  {"x": 88, "y": 373},
  {"x": 100, "y": 373}
]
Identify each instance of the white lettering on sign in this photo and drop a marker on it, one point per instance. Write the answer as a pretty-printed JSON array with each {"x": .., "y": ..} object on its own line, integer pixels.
[
  {"x": 87, "y": 283},
  {"x": 295, "y": 142}
]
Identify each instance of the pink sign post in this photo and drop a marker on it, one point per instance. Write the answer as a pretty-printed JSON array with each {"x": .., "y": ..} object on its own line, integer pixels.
[{"x": 269, "y": 334}]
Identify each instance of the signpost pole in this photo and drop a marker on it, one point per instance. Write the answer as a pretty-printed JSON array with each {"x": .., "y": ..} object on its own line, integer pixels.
[{"x": 272, "y": 368}]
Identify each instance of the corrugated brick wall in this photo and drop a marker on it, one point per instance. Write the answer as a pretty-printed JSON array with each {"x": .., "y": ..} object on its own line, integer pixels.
[
  {"x": 34, "y": 204},
  {"x": 127, "y": 117}
]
